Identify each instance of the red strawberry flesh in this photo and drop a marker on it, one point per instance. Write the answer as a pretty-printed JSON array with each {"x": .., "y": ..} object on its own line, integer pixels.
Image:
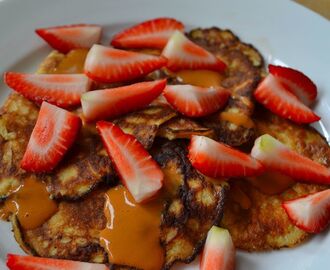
[
  {"x": 103, "y": 104},
  {"x": 219, "y": 251},
  {"x": 63, "y": 90},
  {"x": 19, "y": 262},
  {"x": 184, "y": 54},
  {"x": 310, "y": 213},
  {"x": 68, "y": 37},
  {"x": 217, "y": 160},
  {"x": 149, "y": 34},
  {"x": 52, "y": 136},
  {"x": 196, "y": 101},
  {"x": 276, "y": 156},
  {"x": 138, "y": 171},
  {"x": 296, "y": 82},
  {"x": 105, "y": 64},
  {"x": 273, "y": 95}
]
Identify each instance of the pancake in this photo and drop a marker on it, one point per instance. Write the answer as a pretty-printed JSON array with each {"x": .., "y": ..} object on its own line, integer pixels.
[
  {"x": 183, "y": 128},
  {"x": 72, "y": 233},
  {"x": 84, "y": 167},
  {"x": 234, "y": 125},
  {"x": 144, "y": 124},
  {"x": 263, "y": 224},
  {"x": 194, "y": 204},
  {"x": 17, "y": 119}
]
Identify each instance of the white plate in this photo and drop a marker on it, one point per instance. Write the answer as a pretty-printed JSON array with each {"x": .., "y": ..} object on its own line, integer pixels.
[{"x": 283, "y": 31}]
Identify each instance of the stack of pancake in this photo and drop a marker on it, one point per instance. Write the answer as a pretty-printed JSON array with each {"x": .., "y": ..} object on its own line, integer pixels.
[{"x": 251, "y": 212}]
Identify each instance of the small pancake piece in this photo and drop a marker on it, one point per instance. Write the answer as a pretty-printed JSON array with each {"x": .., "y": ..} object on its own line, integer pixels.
[
  {"x": 263, "y": 224},
  {"x": 183, "y": 128},
  {"x": 72, "y": 233},
  {"x": 17, "y": 119},
  {"x": 144, "y": 124},
  {"x": 243, "y": 73},
  {"x": 85, "y": 166},
  {"x": 194, "y": 204}
]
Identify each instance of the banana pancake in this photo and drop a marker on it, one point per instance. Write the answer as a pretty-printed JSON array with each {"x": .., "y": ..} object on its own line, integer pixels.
[
  {"x": 195, "y": 203},
  {"x": 76, "y": 240},
  {"x": 234, "y": 125},
  {"x": 183, "y": 128},
  {"x": 82, "y": 169},
  {"x": 17, "y": 119},
  {"x": 253, "y": 212},
  {"x": 71, "y": 233},
  {"x": 144, "y": 124}
]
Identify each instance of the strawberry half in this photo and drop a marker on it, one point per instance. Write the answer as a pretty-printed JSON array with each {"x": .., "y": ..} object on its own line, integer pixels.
[
  {"x": 310, "y": 213},
  {"x": 149, "y": 34},
  {"x": 296, "y": 82},
  {"x": 217, "y": 160},
  {"x": 18, "y": 262},
  {"x": 63, "y": 90},
  {"x": 184, "y": 54},
  {"x": 278, "y": 157},
  {"x": 105, "y": 64},
  {"x": 273, "y": 95},
  {"x": 53, "y": 134},
  {"x": 196, "y": 101},
  {"x": 138, "y": 171},
  {"x": 102, "y": 104},
  {"x": 68, "y": 37},
  {"x": 219, "y": 251}
]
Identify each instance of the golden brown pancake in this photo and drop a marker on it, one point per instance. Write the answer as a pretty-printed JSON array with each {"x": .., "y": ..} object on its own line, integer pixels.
[
  {"x": 183, "y": 128},
  {"x": 84, "y": 167},
  {"x": 144, "y": 124},
  {"x": 17, "y": 120},
  {"x": 263, "y": 224},
  {"x": 72, "y": 233},
  {"x": 243, "y": 73},
  {"x": 194, "y": 204}
]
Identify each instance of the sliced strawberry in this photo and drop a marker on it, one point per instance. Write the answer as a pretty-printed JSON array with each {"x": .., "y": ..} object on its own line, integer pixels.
[
  {"x": 310, "y": 213},
  {"x": 106, "y": 64},
  {"x": 196, "y": 101},
  {"x": 63, "y": 90},
  {"x": 219, "y": 251},
  {"x": 68, "y": 37},
  {"x": 138, "y": 171},
  {"x": 160, "y": 101},
  {"x": 103, "y": 104},
  {"x": 217, "y": 160},
  {"x": 296, "y": 82},
  {"x": 53, "y": 134},
  {"x": 149, "y": 34},
  {"x": 273, "y": 95},
  {"x": 184, "y": 54},
  {"x": 18, "y": 262},
  {"x": 278, "y": 157}
]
